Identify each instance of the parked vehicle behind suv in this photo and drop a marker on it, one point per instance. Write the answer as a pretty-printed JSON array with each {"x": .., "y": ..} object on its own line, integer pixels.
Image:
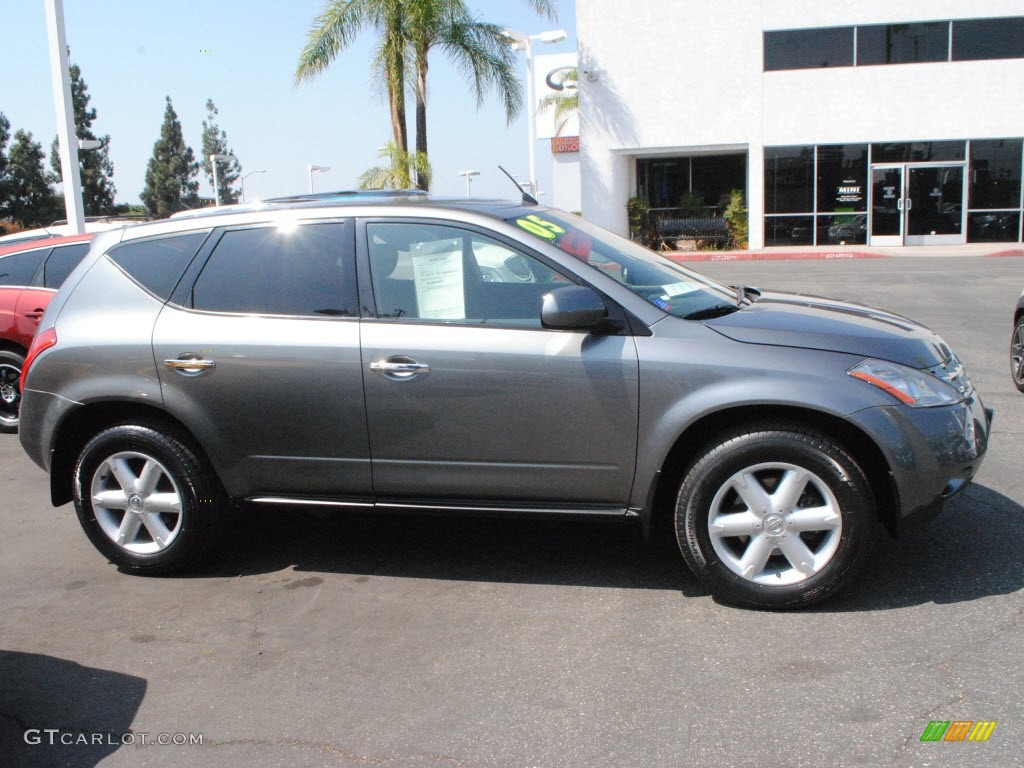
[
  {"x": 30, "y": 274},
  {"x": 402, "y": 353}
]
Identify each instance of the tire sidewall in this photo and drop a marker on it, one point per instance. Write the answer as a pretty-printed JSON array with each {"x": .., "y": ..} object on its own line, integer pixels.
[
  {"x": 812, "y": 452},
  {"x": 10, "y": 357},
  {"x": 179, "y": 462},
  {"x": 1018, "y": 328}
]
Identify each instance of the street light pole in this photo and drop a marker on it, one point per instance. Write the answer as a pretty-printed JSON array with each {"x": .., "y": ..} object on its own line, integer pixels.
[
  {"x": 522, "y": 42},
  {"x": 61, "y": 72},
  {"x": 216, "y": 186},
  {"x": 316, "y": 169},
  {"x": 250, "y": 173},
  {"x": 469, "y": 181}
]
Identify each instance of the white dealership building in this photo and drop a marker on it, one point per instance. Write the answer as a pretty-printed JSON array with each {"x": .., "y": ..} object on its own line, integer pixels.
[{"x": 846, "y": 122}]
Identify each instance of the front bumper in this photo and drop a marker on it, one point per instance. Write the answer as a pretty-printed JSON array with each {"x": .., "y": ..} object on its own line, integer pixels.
[{"x": 932, "y": 453}]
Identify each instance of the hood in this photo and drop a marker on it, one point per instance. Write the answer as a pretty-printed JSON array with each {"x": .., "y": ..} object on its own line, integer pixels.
[{"x": 814, "y": 322}]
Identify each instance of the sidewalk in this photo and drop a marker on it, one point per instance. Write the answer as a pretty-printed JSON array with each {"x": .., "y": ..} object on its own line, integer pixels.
[{"x": 792, "y": 253}]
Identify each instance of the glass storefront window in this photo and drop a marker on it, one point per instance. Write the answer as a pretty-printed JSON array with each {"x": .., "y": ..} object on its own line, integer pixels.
[
  {"x": 789, "y": 179},
  {"x": 789, "y": 230},
  {"x": 715, "y": 176},
  {"x": 842, "y": 178},
  {"x": 977, "y": 39},
  {"x": 808, "y": 48},
  {"x": 846, "y": 229},
  {"x": 918, "y": 152},
  {"x": 993, "y": 227},
  {"x": 903, "y": 43},
  {"x": 995, "y": 174}
]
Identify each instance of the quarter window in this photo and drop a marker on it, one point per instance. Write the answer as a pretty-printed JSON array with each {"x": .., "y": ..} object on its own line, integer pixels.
[
  {"x": 443, "y": 274},
  {"x": 62, "y": 261},
  {"x": 304, "y": 270},
  {"x": 158, "y": 263}
]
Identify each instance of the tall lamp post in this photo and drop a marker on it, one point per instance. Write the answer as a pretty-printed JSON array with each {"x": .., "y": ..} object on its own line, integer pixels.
[
  {"x": 61, "y": 73},
  {"x": 316, "y": 169},
  {"x": 523, "y": 42},
  {"x": 469, "y": 181},
  {"x": 250, "y": 173},
  {"x": 213, "y": 161}
]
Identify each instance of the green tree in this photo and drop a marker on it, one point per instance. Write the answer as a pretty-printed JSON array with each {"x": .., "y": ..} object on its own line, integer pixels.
[
  {"x": 5, "y": 180},
  {"x": 409, "y": 30},
  {"x": 31, "y": 200},
  {"x": 96, "y": 168},
  {"x": 215, "y": 142},
  {"x": 398, "y": 173},
  {"x": 171, "y": 184}
]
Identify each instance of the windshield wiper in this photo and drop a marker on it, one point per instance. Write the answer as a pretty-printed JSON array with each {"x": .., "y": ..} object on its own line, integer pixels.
[
  {"x": 743, "y": 294},
  {"x": 709, "y": 312}
]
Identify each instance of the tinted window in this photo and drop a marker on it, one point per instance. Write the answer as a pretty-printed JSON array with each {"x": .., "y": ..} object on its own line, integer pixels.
[
  {"x": 789, "y": 179},
  {"x": 306, "y": 270},
  {"x": 808, "y": 48},
  {"x": 975, "y": 39},
  {"x": 18, "y": 268},
  {"x": 995, "y": 174},
  {"x": 918, "y": 152},
  {"x": 903, "y": 43},
  {"x": 157, "y": 264},
  {"x": 440, "y": 273},
  {"x": 63, "y": 259},
  {"x": 842, "y": 177}
]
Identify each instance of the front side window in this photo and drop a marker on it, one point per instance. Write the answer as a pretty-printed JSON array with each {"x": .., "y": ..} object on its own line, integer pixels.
[
  {"x": 303, "y": 270},
  {"x": 18, "y": 268},
  {"x": 440, "y": 273},
  {"x": 661, "y": 282}
]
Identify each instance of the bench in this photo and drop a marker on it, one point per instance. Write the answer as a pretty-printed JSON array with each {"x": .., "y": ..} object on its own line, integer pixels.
[{"x": 700, "y": 229}]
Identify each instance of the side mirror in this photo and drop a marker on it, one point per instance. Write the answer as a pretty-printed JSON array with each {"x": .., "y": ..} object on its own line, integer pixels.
[{"x": 572, "y": 308}]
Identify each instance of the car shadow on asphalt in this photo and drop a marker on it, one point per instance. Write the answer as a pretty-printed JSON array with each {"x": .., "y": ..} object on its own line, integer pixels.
[
  {"x": 57, "y": 712},
  {"x": 970, "y": 551}
]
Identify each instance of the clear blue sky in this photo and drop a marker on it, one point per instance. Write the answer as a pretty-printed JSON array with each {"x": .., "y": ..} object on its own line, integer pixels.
[{"x": 134, "y": 54}]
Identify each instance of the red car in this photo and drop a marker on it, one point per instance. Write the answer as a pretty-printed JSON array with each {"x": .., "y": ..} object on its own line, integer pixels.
[{"x": 30, "y": 274}]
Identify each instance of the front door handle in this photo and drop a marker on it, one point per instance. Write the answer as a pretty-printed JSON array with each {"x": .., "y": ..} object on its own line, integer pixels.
[{"x": 399, "y": 367}]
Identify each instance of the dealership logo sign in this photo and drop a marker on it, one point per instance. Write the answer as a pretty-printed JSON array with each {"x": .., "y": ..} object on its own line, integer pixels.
[{"x": 958, "y": 730}]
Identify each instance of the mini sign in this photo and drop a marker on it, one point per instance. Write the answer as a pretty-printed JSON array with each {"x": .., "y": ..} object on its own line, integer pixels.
[{"x": 562, "y": 144}]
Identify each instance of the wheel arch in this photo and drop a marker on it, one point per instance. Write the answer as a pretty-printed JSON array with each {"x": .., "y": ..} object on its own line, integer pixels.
[
  {"x": 86, "y": 422},
  {"x": 9, "y": 346},
  {"x": 688, "y": 445}
]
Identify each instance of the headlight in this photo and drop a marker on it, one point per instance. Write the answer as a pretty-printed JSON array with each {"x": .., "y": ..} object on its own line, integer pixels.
[{"x": 910, "y": 386}]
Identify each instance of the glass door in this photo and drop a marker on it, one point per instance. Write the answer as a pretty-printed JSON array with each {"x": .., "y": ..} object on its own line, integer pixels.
[
  {"x": 887, "y": 205},
  {"x": 934, "y": 205}
]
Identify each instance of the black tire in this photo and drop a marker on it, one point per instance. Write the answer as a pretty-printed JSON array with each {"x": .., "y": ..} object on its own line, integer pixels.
[
  {"x": 10, "y": 391},
  {"x": 1017, "y": 355},
  {"x": 172, "y": 503},
  {"x": 807, "y": 524}
]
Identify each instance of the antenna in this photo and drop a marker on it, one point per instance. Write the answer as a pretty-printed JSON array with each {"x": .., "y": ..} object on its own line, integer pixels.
[{"x": 528, "y": 199}]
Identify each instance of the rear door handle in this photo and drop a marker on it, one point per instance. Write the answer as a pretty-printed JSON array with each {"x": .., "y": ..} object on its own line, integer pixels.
[
  {"x": 189, "y": 364},
  {"x": 399, "y": 367},
  {"x": 35, "y": 314}
]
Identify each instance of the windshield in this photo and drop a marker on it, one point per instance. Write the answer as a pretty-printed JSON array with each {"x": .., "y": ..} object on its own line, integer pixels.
[{"x": 663, "y": 283}]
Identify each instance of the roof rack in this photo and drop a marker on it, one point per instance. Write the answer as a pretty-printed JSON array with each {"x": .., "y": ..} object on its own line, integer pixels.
[{"x": 348, "y": 193}]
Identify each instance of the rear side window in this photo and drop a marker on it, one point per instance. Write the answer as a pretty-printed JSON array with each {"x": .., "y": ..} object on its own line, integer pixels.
[
  {"x": 304, "y": 270},
  {"x": 18, "y": 268},
  {"x": 158, "y": 263},
  {"x": 62, "y": 261}
]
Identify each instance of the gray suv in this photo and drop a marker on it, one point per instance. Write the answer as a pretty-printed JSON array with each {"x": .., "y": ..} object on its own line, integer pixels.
[{"x": 359, "y": 351}]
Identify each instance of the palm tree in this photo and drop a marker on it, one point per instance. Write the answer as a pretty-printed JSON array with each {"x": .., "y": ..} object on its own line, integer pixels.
[
  {"x": 335, "y": 29},
  {"x": 408, "y": 30},
  {"x": 479, "y": 49},
  {"x": 400, "y": 171}
]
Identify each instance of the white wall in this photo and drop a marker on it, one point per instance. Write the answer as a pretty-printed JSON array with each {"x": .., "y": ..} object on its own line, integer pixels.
[{"x": 671, "y": 77}]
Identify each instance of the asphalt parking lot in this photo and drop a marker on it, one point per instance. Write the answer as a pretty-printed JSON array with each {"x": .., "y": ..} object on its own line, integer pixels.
[{"x": 409, "y": 642}]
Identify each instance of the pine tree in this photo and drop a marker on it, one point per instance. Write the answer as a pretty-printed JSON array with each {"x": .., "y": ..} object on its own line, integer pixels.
[
  {"x": 171, "y": 184},
  {"x": 31, "y": 200},
  {"x": 5, "y": 181},
  {"x": 215, "y": 142},
  {"x": 97, "y": 171}
]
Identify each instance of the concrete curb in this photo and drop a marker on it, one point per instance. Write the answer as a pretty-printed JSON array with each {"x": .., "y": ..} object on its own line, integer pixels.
[{"x": 786, "y": 255}]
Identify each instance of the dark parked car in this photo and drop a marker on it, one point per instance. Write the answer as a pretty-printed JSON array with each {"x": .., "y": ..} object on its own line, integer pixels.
[
  {"x": 30, "y": 274},
  {"x": 1017, "y": 345},
  {"x": 352, "y": 351}
]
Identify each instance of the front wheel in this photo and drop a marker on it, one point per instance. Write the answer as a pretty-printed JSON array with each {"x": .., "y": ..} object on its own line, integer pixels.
[
  {"x": 146, "y": 498},
  {"x": 10, "y": 392},
  {"x": 775, "y": 516},
  {"x": 1017, "y": 355}
]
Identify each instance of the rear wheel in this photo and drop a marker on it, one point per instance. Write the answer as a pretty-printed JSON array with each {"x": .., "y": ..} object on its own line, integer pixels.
[
  {"x": 775, "y": 516},
  {"x": 146, "y": 498},
  {"x": 10, "y": 391},
  {"x": 1017, "y": 355}
]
